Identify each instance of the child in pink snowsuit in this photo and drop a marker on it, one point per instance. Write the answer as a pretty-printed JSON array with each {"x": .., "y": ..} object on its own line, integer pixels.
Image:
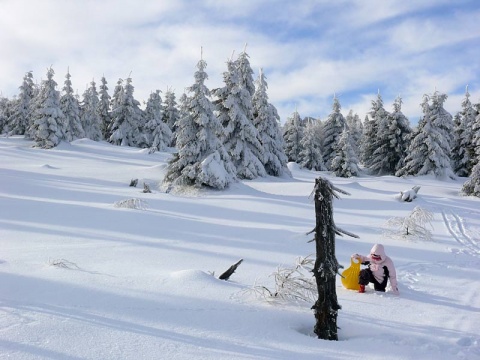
[{"x": 380, "y": 269}]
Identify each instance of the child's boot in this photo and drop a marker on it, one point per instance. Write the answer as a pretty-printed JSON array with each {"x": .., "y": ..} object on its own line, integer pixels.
[{"x": 362, "y": 289}]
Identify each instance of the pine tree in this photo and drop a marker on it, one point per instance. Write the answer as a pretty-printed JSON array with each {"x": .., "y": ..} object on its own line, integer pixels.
[
  {"x": 30, "y": 131},
  {"x": 201, "y": 159},
  {"x": 91, "y": 121},
  {"x": 429, "y": 150},
  {"x": 472, "y": 186},
  {"x": 476, "y": 137},
  {"x": 373, "y": 138},
  {"x": 126, "y": 117},
  {"x": 180, "y": 169},
  {"x": 463, "y": 152},
  {"x": 115, "y": 103},
  {"x": 103, "y": 109},
  {"x": 345, "y": 161},
  {"x": 311, "y": 156},
  {"x": 4, "y": 115},
  {"x": 392, "y": 141},
  {"x": 332, "y": 130},
  {"x": 70, "y": 107},
  {"x": 355, "y": 127},
  {"x": 19, "y": 119},
  {"x": 48, "y": 119},
  {"x": 441, "y": 118},
  {"x": 170, "y": 113},
  {"x": 401, "y": 133},
  {"x": 368, "y": 136},
  {"x": 234, "y": 106},
  {"x": 266, "y": 121},
  {"x": 159, "y": 135},
  {"x": 292, "y": 137}
]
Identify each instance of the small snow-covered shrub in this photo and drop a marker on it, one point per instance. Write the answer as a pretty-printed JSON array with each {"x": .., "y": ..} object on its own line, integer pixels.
[
  {"x": 411, "y": 227},
  {"x": 291, "y": 283},
  {"x": 134, "y": 203}
]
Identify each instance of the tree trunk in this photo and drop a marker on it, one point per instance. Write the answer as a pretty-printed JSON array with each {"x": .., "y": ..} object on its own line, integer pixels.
[{"x": 326, "y": 265}]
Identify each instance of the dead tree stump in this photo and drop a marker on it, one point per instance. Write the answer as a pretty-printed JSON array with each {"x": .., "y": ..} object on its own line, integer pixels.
[{"x": 326, "y": 265}]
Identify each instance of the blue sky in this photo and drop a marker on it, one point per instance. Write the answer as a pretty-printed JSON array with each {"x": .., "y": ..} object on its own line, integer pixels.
[{"x": 309, "y": 50}]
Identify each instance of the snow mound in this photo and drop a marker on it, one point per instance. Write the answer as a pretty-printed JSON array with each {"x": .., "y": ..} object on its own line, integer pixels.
[
  {"x": 192, "y": 275},
  {"x": 197, "y": 282},
  {"x": 292, "y": 166},
  {"x": 83, "y": 141}
]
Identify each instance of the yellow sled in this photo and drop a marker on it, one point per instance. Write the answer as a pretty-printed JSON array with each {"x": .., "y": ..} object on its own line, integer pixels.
[{"x": 350, "y": 276}]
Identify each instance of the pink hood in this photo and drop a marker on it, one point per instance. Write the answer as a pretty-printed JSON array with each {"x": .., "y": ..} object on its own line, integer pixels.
[{"x": 378, "y": 249}]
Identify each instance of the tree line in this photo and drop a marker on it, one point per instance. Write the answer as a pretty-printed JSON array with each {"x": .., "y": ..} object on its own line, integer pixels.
[
  {"x": 384, "y": 143},
  {"x": 234, "y": 132}
]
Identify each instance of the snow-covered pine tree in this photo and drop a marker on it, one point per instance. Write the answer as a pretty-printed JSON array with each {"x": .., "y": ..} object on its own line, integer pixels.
[
  {"x": 332, "y": 130},
  {"x": 429, "y": 150},
  {"x": 368, "y": 135},
  {"x": 401, "y": 133},
  {"x": 159, "y": 135},
  {"x": 292, "y": 137},
  {"x": 115, "y": 102},
  {"x": 355, "y": 127},
  {"x": 91, "y": 121},
  {"x": 235, "y": 112},
  {"x": 442, "y": 119},
  {"x": 48, "y": 119},
  {"x": 472, "y": 186},
  {"x": 103, "y": 109},
  {"x": 4, "y": 115},
  {"x": 70, "y": 107},
  {"x": 182, "y": 114},
  {"x": 392, "y": 141},
  {"x": 179, "y": 167},
  {"x": 311, "y": 156},
  {"x": 373, "y": 139},
  {"x": 170, "y": 113},
  {"x": 126, "y": 116},
  {"x": 345, "y": 161},
  {"x": 266, "y": 121},
  {"x": 201, "y": 159},
  {"x": 30, "y": 131},
  {"x": 476, "y": 137},
  {"x": 117, "y": 97},
  {"x": 22, "y": 107},
  {"x": 318, "y": 131},
  {"x": 463, "y": 151}
]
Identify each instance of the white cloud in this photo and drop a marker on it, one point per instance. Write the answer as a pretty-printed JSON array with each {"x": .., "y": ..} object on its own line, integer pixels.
[{"x": 309, "y": 49}]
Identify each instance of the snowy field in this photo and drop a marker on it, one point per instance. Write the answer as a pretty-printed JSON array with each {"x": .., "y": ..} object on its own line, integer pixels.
[{"x": 83, "y": 279}]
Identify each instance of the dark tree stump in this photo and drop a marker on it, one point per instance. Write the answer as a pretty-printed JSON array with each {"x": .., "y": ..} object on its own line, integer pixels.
[
  {"x": 326, "y": 265},
  {"x": 226, "y": 275}
]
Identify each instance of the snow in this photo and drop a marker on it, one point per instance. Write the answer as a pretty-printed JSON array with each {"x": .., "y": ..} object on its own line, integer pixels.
[{"x": 83, "y": 279}]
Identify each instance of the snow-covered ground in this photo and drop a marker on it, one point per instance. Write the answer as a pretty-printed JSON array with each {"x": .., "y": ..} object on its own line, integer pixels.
[{"x": 83, "y": 279}]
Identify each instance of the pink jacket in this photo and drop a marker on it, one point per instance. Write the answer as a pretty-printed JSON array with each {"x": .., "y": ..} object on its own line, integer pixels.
[{"x": 377, "y": 266}]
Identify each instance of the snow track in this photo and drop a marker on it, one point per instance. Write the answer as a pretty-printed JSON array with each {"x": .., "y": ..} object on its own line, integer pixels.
[{"x": 468, "y": 238}]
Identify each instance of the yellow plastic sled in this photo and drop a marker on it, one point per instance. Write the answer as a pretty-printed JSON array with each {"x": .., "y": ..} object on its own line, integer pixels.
[{"x": 350, "y": 276}]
